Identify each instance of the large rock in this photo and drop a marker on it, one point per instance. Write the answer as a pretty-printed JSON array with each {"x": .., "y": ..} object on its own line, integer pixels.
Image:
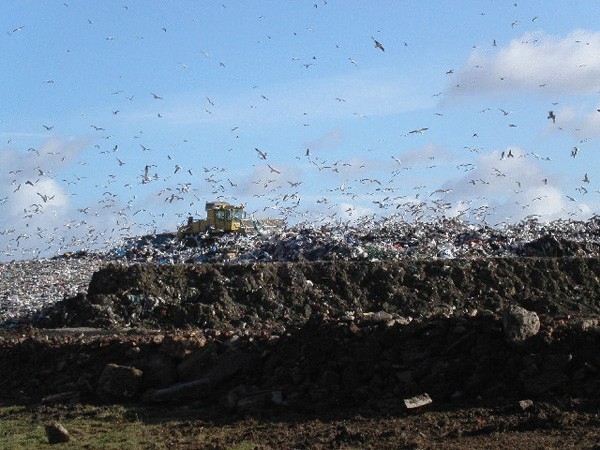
[
  {"x": 57, "y": 434},
  {"x": 520, "y": 324},
  {"x": 118, "y": 383}
]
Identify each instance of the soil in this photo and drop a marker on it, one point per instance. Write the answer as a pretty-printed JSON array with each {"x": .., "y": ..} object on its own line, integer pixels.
[{"x": 330, "y": 354}]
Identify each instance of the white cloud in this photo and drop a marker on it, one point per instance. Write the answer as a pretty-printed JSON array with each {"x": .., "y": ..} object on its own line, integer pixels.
[
  {"x": 510, "y": 188},
  {"x": 327, "y": 141},
  {"x": 537, "y": 61},
  {"x": 582, "y": 123},
  {"x": 34, "y": 203}
]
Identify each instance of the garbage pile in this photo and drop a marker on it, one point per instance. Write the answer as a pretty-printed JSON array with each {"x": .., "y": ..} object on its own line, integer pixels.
[
  {"x": 384, "y": 240},
  {"x": 26, "y": 287}
]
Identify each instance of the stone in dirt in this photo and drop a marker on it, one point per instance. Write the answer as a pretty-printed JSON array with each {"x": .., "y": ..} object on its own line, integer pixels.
[
  {"x": 520, "y": 324},
  {"x": 57, "y": 434},
  {"x": 418, "y": 401},
  {"x": 118, "y": 383}
]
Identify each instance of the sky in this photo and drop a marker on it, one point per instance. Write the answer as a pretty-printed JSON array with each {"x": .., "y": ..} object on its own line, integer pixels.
[{"x": 123, "y": 118}]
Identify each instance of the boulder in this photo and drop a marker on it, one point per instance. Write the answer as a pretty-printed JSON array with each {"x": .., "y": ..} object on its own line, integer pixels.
[
  {"x": 520, "y": 324},
  {"x": 56, "y": 433},
  {"x": 119, "y": 383}
]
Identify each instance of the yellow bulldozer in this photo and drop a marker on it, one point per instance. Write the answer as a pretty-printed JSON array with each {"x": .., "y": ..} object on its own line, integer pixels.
[{"x": 222, "y": 218}]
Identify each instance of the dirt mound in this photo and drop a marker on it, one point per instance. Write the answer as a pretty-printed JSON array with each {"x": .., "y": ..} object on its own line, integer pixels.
[
  {"x": 230, "y": 296},
  {"x": 371, "y": 362},
  {"x": 307, "y": 336}
]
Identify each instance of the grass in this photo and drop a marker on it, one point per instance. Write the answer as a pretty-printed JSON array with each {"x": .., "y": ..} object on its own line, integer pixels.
[
  {"x": 114, "y": 427},
  {"x": 90, "y": 428}
]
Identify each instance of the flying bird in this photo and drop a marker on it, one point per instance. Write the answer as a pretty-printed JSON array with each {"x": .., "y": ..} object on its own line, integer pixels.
[
  {"x": 419, "y": 131},
  {"x": 261, "y": 154},
  {"x": 157, "y": 97},
  {"x": 273, "y": 169},
  {"x": 378, "y": 44},
  {"x": 552, "y": 116}
]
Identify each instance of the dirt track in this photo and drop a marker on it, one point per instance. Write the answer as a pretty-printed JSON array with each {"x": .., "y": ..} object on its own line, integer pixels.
[{"x": 313, "y": 338}]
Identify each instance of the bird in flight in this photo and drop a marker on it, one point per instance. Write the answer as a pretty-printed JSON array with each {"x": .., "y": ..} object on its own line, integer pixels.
[
  {"x": 157, "y": 97},
  {"x": 419, "y": 131},
  {"x": 273, "y": 169},
  {"x": 378, "y": 44},
  {"x": 261, "y": 154},
  {"x": 552, "y": 116}
]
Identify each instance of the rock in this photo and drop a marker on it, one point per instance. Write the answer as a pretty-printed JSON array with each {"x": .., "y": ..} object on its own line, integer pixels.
[
  {"x": 210, "y": 364},
  {"x": 588, "y": 324},
  {"x": 69, "y": 397},
  {"x": 57, "y": 434},
  {"x": 418, "y": 401},
  {"x": 159, "y": 371},
  {"x": 118, "y": 383},
  {"x": 525, "y": 404},
  {"x": 520, "y": 324},
  {"x": 190, "y": 390}
]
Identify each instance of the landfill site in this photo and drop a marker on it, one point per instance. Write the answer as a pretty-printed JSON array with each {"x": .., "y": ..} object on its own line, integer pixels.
[{"x": 404, "y": 335}]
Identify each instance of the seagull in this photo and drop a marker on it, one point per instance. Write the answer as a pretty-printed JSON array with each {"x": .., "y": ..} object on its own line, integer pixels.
[
  {"x": 586, "y": 179},
  {"x": 419, "y": 131},
  {"x": 273, "y": 169},
  {"x": 261, "y": 154},
  {"x": 574, "y": 152},
  {"x": 442, "y": 191},
  {"x": 157, "y": 97},
  {"x": 378, "y": 44},
  {"x": 552, "y": 116}
]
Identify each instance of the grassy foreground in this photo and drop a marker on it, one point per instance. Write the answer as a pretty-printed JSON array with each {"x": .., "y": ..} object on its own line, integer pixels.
[
  {"x": 109, "y": 427},
  {"x": 174, "y": 428}
]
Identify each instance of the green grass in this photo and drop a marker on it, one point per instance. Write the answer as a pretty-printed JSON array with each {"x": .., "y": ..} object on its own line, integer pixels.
[
  {"x": 112, "y": 427},
  {"x": 90, "y": 428}
]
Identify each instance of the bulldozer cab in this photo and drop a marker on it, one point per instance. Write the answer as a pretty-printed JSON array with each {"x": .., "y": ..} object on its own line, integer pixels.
[{"x": 224, "y": 216}]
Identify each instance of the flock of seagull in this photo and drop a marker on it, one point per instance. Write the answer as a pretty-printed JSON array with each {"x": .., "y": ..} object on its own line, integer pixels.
[{"x": 277, "y": 188}]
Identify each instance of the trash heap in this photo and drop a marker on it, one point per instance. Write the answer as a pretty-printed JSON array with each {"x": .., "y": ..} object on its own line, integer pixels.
[
  {"x": 27, "y": 287},
  {"x": 384, "y": 240}
]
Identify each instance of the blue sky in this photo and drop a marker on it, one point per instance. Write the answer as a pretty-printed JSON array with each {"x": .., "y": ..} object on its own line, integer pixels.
[{"x": 121, "y": 118}]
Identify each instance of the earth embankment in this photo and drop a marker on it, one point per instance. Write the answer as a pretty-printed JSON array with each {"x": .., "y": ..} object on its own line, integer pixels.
[{"x": 221, "y": 295}]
